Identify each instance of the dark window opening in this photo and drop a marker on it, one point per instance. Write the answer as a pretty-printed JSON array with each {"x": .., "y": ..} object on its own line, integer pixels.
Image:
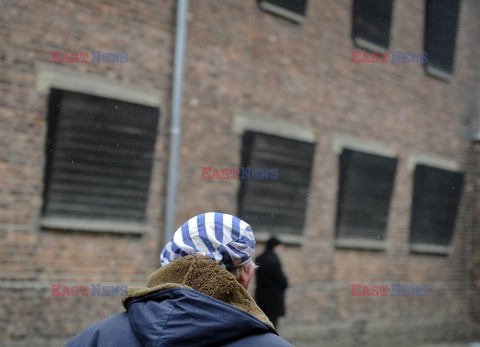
[
  {"x": 365, "y": 189},
  {"x": 276, "y": 206},
  {"x": 440, "y": 35},
  {"x": 99, "y": 158},
  {"x": 371, "y": 23},
  {"x": 436, "y": 197}
]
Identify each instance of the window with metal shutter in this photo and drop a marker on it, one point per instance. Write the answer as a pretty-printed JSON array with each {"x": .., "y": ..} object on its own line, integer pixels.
[
  {"x": 436, "y": 197},
  {"x": 440, "y": 35},
  {"x": 371, "y": 23},
  {"x": 365, "y": 190},
  {"x": 277, "y": 205},
  {"x": 99, "y": 157},
  {"x": 294, "y": 10}
]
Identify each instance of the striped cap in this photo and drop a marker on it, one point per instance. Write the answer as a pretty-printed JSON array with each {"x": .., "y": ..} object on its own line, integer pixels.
[{"x": 222, "y": 237}]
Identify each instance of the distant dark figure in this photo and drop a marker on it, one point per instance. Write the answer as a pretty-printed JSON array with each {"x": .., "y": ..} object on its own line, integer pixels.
[{"x": 271, "y": 282}]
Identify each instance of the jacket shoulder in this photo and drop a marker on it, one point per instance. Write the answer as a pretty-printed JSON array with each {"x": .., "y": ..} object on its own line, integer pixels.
[
  {"x": 112, "y": 331},
  {"x": 261, "y": 340},
  {"x": 268, "y": 257}
]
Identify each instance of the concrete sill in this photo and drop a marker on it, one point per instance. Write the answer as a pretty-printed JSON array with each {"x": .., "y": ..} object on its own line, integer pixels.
[
  {"x": 372, "y": 245},
  {"x": 430, "y": 249},
  {"x": 74, "y": 224},
  {"x": 432, "y": 71},
  {"x": 369, "y": 46},
  {"x": 263, "y": 236},
  {"x": 280, "y": 11}
]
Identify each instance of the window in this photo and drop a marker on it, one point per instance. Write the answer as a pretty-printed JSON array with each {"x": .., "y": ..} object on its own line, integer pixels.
[
  {"x": 371, "y": 23},
  {"x": 294, "y": 10},
  {"x": 436, "y": 197},
  {"x": 99, "y": 158},
  {"x": 440, "y": 34},
  {"x": 275, "y": 206},
  {"x": 364, "y": 194}
]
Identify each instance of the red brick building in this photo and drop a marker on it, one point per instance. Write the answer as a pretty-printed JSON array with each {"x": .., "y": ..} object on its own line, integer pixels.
[{"x": 378, "y": 174}]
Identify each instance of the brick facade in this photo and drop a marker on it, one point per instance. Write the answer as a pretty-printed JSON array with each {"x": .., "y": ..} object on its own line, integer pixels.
[
  {"x": 32, "y": 258},
  {"x": 243, "y": 60},
  {"x": 475, "y": 260}
]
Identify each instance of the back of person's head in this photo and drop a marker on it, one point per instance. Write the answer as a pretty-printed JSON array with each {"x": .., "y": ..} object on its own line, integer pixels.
[
  {"x": 224, "y": 238},
  {"x": 272, "y": 243}
]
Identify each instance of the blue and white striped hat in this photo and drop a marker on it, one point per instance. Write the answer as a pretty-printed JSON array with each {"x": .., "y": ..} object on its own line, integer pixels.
[{"x": 222, "y": 237}]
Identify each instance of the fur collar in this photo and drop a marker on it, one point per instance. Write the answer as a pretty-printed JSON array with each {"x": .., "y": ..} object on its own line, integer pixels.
[{"x": 204, "y": 275}]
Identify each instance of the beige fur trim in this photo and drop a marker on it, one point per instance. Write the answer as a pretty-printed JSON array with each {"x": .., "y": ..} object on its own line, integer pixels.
[{"x": 203, "y": 275}]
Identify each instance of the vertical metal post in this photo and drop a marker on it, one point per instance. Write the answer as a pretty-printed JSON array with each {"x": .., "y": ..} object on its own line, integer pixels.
[{"x": 176, "y": 120}]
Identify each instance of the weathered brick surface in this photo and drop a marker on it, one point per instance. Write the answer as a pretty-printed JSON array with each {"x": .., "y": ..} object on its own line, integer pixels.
[
  {"x": 474, "y": 267},
  {"x": 241, "y": 57},
  {"x": 303, "y": 73},
  {"x": 33, "y": 258}
]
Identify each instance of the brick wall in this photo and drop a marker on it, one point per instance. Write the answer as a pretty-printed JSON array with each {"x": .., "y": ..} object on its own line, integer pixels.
[
  {"x": 475, "y": 260},
  {"x": 32, "y": 258},
  {"x": 241, "y": 58}
]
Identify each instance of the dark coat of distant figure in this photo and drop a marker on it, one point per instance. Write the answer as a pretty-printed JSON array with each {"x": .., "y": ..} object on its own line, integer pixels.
[{"x": 271, "y": 282}]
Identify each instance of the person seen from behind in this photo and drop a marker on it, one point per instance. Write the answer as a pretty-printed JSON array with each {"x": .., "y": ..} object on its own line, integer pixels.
[
  {"x": 271, "y": 282},
  {"x": 198, "y": 297}
]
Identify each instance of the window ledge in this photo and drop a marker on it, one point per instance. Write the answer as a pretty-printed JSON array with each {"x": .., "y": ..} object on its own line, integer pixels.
[
  {"x": 369, "y": 46},
  {"x": 430, "y": 249},
  {"x": 48, "y": 76},
  {"x": 244, "y": 120},
  {"x": 280, "y": 11},
  {"x": 374, "y": 245},
  {"x": 263, "y": 236},
  {"x": 438, "y": 73},
  {"x": 94, "y": 226}
]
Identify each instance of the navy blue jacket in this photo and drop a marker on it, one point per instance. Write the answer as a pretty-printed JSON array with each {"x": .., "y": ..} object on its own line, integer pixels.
[{"x": 179, "y": 317}]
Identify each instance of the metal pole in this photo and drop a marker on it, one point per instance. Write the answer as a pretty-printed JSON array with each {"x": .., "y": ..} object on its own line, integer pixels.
[{"x": 176, "y": 120}]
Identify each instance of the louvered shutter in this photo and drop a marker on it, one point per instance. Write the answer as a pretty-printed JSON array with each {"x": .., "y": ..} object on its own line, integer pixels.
[
  {"x": 440, "y": 33},
  {"x": 276, "y": 206},
  {"x": 436, "y": 198},
  {"x": 99, "y": 157},
  {"x": 371, "y": 21},
  {"x": 365, "y": 190}
]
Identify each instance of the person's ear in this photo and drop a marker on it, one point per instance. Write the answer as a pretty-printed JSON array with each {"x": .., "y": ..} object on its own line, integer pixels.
[{"x": 246, "y": 274}]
